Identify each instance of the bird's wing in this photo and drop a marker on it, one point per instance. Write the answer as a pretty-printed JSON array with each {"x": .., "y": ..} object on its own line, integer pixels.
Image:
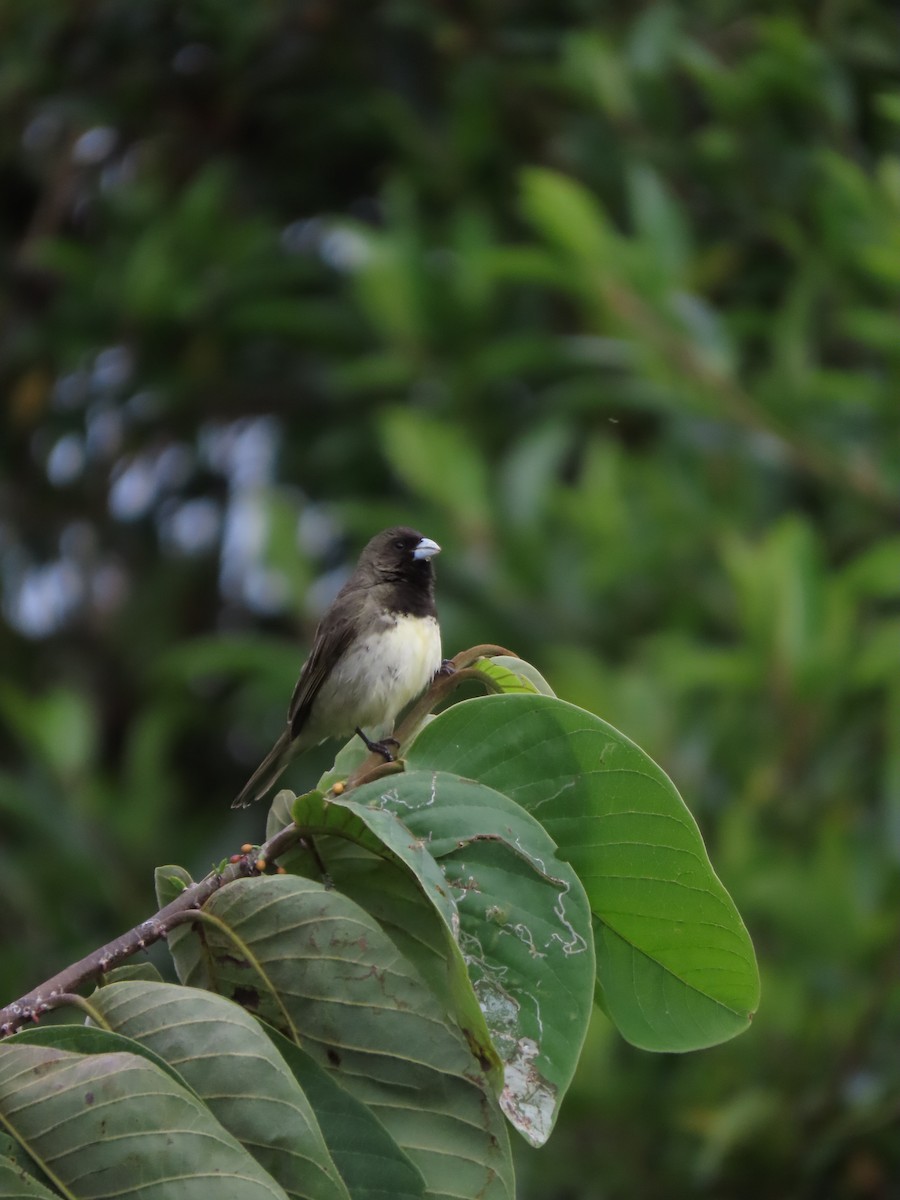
[{"x": 331, "y": 642}]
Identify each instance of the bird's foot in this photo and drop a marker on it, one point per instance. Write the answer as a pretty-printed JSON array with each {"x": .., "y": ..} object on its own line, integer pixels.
[
  {"x": 382, "y": 747},
  {"x": 446, "y": 667}
]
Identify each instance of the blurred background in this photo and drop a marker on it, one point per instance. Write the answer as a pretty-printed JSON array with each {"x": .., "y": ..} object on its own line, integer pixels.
[{"x": 606, "y": 299}]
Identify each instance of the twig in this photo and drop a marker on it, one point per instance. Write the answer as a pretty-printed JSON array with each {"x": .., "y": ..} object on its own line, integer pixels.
[{"x": 96, "y": 964}]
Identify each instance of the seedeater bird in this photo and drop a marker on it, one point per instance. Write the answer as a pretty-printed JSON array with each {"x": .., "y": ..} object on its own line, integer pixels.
[{"x": 376, "y": 648}]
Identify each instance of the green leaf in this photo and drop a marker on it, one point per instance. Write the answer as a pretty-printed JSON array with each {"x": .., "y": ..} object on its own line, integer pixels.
[
  {"x": 371, "y": 1163},
  {"x": 874, "y": 574},
  {"x": 525, "y": 672},
  {"x": 393, "y": 896},
  {"x": 17, "y": 1184},
  {"x": 439, "y": 463},
  {"x": 887, "y": 104},
  {"x": 531, "y": 467},
  {"x": 524, "y": 928},
  {"x": 350, "y": 756},
  {"x": 799, "y": 624},
  {"x": 17, "y": 1171},
  {"x": 90, "y": 1039},
  {"x": 319, "y": 968},
  {"x": 383, "y": 835},
  {"x": 136, "y": 970},
  {"x": 97, "y": 1123},
  {"x": 232, "y": 1066},
  {"x": 659, "y": 221},
  {"x": 566, "y": 213},
  {"x": 503, "y": 676},
  {"x": 280, "y": 813},
  {"x": 592, "y": 65},
  {"x": 675, "y": 964},
  {"x": 388, "y": 272},
  {"x": 58, "y": 727},
  {"x": 170, "y": 882}
]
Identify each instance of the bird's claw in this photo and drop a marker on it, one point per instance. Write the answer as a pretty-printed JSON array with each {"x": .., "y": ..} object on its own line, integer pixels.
[{"x": 381, "y": 747}]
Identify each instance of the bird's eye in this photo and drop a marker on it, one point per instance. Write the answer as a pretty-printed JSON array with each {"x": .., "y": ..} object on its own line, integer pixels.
[{"x": 399, "y": 544}]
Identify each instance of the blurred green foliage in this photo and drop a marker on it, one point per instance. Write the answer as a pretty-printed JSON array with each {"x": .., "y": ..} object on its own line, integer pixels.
[{"x": 605, "y": 299}]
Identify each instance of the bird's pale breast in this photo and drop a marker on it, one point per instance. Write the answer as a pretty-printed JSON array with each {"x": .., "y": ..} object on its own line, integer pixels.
[{"x": 376, "y": 677}]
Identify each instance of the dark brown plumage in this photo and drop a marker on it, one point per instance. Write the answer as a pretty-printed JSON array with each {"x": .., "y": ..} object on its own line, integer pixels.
[{"x": 376, "y": 648}]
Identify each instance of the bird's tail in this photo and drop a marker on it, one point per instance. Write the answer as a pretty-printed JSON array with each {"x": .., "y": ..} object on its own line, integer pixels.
[{"x": 267, "y": 772}]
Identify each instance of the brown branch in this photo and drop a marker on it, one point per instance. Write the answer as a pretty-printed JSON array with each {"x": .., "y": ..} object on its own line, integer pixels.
[
  {"x": 58, "y": 990},
  {"x": 55, "y": 991}
]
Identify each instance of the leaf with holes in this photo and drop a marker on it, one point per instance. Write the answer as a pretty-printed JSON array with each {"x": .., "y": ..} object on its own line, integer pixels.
[
  {"x": 524, "y": 928},
  {"x": 381, "y": 833},
  {"x": 675, "y": 965}
]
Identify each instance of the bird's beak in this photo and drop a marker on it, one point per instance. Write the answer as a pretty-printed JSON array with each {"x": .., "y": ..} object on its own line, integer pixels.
[{"x": 426, "y": 549}]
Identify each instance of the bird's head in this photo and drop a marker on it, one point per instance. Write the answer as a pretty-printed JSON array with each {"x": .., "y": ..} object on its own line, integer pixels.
[{"x": 399, "y": 553}]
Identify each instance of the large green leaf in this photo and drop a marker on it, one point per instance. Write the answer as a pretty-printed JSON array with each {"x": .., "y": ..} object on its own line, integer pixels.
[
  {"x": 524, "y": 927},
  {"x": 523, "y": 921},
  {"x": 98, "y": 1124},
  {"x": 315, "y": 965},
  {"x": 370, "y": 1162},
  {"x": 393, "y": 896},
  {"x": 675, "y": 964},
  {"x": 217, "y": 1047}
]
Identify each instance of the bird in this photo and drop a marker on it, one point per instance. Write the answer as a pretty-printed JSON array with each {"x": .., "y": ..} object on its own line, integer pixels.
[{"x": 376, "y": 648}]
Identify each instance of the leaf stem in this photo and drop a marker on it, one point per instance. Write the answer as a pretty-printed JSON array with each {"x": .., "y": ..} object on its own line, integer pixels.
[{"x": 208, "y": 918}]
